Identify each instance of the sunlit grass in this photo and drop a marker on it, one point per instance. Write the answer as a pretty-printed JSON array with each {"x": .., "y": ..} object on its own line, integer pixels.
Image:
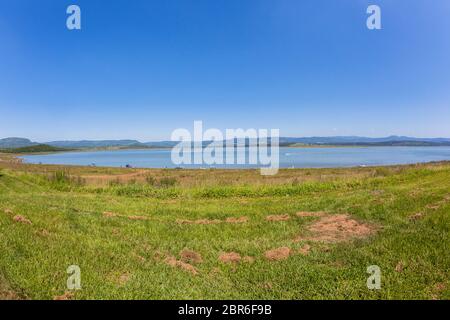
[{"x": 123, "y": 258}]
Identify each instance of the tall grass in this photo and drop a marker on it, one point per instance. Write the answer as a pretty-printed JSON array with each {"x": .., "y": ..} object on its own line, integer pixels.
[{"x": 61, "y": 180}]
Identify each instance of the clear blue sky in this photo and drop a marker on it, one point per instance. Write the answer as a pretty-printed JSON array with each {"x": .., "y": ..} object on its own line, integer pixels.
[{"x": 142, "y": 68}]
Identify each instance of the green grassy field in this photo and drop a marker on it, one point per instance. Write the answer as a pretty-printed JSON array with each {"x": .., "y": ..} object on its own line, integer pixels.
[{"x": 160, "y": 234}]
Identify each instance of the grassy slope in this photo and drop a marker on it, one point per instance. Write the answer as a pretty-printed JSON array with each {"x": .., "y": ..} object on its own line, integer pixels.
[{"x": 106, "y": 249}]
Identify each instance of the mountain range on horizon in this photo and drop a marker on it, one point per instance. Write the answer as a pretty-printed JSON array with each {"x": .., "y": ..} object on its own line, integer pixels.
[{"x": 14, "y": 142}]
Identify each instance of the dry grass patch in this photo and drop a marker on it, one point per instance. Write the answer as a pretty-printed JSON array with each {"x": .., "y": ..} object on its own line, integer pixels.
[
  {"x": 198, "y": 221},
  {"x": 137, "y": 218},
  {"x": 337, "y": 228},
  {"x": 190, "y": 256},
  {"x": 230, "y": 257},
  {"x": 21, "y": 219},
  {"x": 108, "y": 214},
  {"x": 282, "y": 217},
  {"x": 212, "y": 221},
  {"x": 66, "y": 296},
  {"x": 278, "y": 254},
  {"x": 236, "y": 220},
  {"x": 173, "y": 262}
]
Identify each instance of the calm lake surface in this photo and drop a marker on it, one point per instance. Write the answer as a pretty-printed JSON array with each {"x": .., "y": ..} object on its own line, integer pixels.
[{"x": 289, "y": 157}]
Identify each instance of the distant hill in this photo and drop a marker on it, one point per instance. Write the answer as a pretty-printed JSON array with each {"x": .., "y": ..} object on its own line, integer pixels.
[
  {"x": 342, "y": 140},
  {"x": 15, "y": 143},
  {"x": 9, "y": 143},
  {"x": 93, "y": 143}
]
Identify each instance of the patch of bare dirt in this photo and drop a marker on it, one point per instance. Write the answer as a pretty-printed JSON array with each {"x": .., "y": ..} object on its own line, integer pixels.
[
  {"x": 282, "y": 217},
  {"x": 212, "y": 221},
  {"x": 173, "y": 262},
  {"x": 230, "y": 257},
  {"x": 137, "y": 218},
  {"x": 303, "y": 214},
  {"x": 236, "y": 220},
  {"x": 190, "y": 256},
  {"x": 199, "y": 221},
  {"x": 278, "y": 254},
  {"x": 66, "y": 296},
  {"x": 336, "y": 228},
  {"x": 21, "y": 219}
]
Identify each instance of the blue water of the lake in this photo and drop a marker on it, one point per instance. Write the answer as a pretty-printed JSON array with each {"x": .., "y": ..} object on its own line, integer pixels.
[{"x": 326, "y": 157}]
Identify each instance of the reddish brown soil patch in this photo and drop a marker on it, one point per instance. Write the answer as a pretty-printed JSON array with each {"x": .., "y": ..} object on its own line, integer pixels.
[
  {"x": 21, "y": 219},
  {"x": 230, "y": 257},
  {"x": 305, "y": 250},
  {"x": 108, "y": 214},
  {"x": 199, "y": 221},
  {"x": 137, "y": 218},
  {"x": 236, "y": 220},
  {"x": 173, "y": 262},
  {"x": 282, "y": 217},
  {"x": 302, "y": 214},
  {"x": 190, "y": 256},
  {"x": 278, "y": 254},
  {"x": 337, "y": 228},
  {"x": 66, "y": 296}
]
